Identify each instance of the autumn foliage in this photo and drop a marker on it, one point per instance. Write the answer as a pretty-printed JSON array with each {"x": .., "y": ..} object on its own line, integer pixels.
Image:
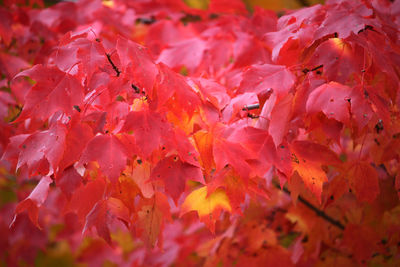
[{"x": 152, "y": 133}]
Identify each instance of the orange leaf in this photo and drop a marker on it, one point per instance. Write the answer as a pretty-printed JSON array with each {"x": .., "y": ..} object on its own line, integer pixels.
[
  {"x": 151, "y": 219},
  {"x": 307, "y": 160},
  {"x": 312, "y": 174},
  {"x": 364, "y": 181},
  {"x": 204, "y": 144}
]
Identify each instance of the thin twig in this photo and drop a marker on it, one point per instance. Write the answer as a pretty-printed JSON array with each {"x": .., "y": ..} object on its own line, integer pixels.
[
  {"x": 317, "y": 211},
  {"x": 251, "y": 107},
  {"x": 317, "y": 67},
  {"x": 113, "y": 65}
]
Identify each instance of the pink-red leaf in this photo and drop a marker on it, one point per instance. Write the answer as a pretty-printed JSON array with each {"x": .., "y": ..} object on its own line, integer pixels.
[
  {"x": 174, "y": 173},
  {"x": 41, "y": 147},
  {"x": 54, "y": 90},
  {"x": 261, "y": 78},
  {"x": 136, "y": 64},
  {"x": 102, "y": 215},
  {"x": 109, "y": 152},
  {"x": 34, "y": 201},
  {"x": 69, "y": 181},
  {"x": 146, "y": 124},
  {"x": 188, "y": 53},
  {"x": 280, "y": 116},
  {"x": 332, "y": 99}
]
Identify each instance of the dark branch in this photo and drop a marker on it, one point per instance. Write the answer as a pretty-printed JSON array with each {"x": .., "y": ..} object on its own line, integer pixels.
[
  {"x": 317, "y": 211},
  {"x": 113, "y": 65}
]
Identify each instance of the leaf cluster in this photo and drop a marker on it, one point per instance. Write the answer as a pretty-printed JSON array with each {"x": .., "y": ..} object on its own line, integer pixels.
[{"x": 160, "y": 134}]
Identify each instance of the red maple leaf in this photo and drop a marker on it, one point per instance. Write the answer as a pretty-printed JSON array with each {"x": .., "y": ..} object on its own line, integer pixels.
[
  {"x": 54, "y": 90},
  {"x": 174, "y": 173},
  {"x": 42, "y": 150},
  {"x": 35, "y": 199},
  {"x": 109, "y": 152}
]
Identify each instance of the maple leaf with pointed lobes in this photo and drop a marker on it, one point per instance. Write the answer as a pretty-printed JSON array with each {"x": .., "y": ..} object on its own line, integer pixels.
[
  {"x": 261, "y": 144},
  {"x": 227, "y": 148},
  {"x": 334, "y": 56},
  {"x": 213, "y": 92},
  {"x": 332, "y": 99},
  {"x": 315, "y": 152},
  {"x": 35, "y": 199},
  {"x": 54, "y": 90},
  {"x": 312, "y": 175},
  {"x": 151, "y": 217},
  {"x": 85, "y": 197},
  {"x": 109, "y": 152},
  {"x": 136, "y": 64},
  {"x": 77, "y": 136},
  {"x": 260, "y": 78},
  {"x": 179, "y": 141},
  {"x": 363, "y": 179},
  {"x": 102, "y": 215},
  {"x": 188, "y": 53},
  {"x": 208, "y": 205},
  {"x": 307, "y": 160},
  {"x": 232, "y": 153},
  {"x": 171, "y": 85},
  {"x": 345, "y": 18},
  {"x": 91, "y": 55},
  {"x": 42, "y": 150},
  {"x": 280, "y": 117},
  {"x": 146, "y": 124},
  {"x": 69, "y": 181},
  {"x": 233, "y": 185},
  {"x": 174, "y": 173},
  {"x": 294, "y": 31}
]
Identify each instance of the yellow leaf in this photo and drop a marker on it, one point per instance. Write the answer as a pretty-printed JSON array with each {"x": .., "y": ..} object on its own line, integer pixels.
[{"x": 208, "y": 207}]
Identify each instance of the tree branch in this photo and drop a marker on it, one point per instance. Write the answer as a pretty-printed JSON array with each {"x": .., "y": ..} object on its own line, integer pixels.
[{"x": 317, "y": 211}]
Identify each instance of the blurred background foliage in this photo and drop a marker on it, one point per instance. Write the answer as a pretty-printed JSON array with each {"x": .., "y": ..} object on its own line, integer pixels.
[
  {"x": 267, "y": 4},
  {"x": 203, "y": 4}
]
